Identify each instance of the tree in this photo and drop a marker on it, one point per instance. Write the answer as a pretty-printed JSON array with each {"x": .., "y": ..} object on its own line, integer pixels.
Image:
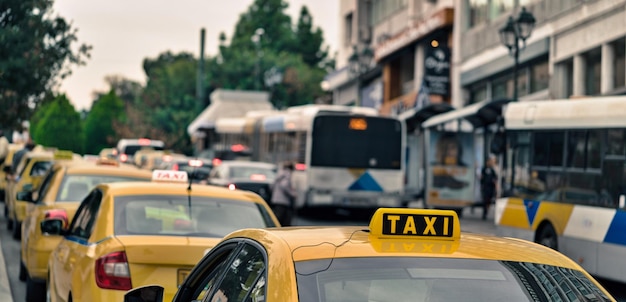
[
  {"x": 36, "y": 49},
  {"x": 99, "y": 129},
  {"x": 169, "y": 99},
  {"x": 309, "y": 41},
  {"x": 59, "y": 126}
]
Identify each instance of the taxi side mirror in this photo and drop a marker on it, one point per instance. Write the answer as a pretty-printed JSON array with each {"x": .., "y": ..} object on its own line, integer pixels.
[
  {"x": 24, "y": 196},
  {"x": 148, "y": 293}
]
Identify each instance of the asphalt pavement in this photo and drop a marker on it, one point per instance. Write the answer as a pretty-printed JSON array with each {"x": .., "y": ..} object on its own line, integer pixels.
[{"x": 5, "y": 288}]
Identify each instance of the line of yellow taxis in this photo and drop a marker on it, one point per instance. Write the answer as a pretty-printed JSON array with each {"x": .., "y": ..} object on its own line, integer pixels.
[{"x": 170, "y": 240}]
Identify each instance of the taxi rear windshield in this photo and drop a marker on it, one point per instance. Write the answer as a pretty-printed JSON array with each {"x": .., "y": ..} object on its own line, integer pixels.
[
  {"x": 75, "y": 187},
  {"x": 432, "y": 279},
  {"x": 177, "y": 216}
]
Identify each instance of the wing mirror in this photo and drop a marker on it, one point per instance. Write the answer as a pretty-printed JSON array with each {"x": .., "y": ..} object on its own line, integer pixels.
[
  {"x": 55, "y": 222},
  {"x": 24, "y": 196},
  {"x": 148, "y": 293}
]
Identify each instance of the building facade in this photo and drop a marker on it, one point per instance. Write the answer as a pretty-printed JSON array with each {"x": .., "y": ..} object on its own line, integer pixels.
[
  {"x": 408, "y": 45},
  {"x": 578, "y": 47}
]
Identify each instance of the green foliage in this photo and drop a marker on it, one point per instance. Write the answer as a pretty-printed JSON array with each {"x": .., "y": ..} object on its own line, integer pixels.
[
  {"x": 296, "y": 53},
  {"x": 58, "y": 125},
  {"x": 36, "y": 49},
  {"x": 168, "y": 100},
  {"x": 99, "y": 128}
]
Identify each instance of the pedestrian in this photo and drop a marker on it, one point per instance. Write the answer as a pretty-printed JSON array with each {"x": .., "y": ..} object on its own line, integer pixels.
[
  {"x": 283, "y": 195},
  {"x": 488, "y": 184},
  {"x": 4, "y": 147},
  {"x": 17, "y": 157}
]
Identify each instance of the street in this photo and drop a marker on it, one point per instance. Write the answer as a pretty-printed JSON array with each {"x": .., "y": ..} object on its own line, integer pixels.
[{"x": 470, "y": 222}]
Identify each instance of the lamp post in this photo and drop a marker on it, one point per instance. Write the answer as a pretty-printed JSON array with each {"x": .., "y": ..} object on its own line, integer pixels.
[
  {"x": 256, "y": 39},
  {"x": 359, "y": 63},
  {"x": 514, "y": 32}
]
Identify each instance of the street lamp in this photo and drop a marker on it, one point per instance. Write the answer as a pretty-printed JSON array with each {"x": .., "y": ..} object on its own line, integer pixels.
[
  {"x": 514, "y": 32},
  {"x": 256, "y": 39},
  {"x": 359, "y": 63}
]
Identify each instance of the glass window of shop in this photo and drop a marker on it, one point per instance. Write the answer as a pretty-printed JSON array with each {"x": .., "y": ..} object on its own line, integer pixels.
[
  {"x": 539, "y": 76},
  {"x": 502, "y": 87},
  {"x": 593, "y": 66},
  {"x": 477, "y": 92}
]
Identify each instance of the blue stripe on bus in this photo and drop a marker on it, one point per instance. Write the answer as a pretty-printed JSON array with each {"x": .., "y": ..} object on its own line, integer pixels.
[
  {"x": 531, "y": 210},
  {"x": 365, "y": 183},
  {"x": 615, "y": 233}
]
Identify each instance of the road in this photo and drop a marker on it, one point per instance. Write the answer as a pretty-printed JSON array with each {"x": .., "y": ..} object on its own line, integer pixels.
[{"x": 470, "y": 222}]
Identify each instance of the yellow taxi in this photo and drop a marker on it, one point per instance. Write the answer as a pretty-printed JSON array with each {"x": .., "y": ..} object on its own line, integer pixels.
[
  {"x": 404, "y": 255},
  {"x": 5, "y": 168},
  {"x": 60, "y": 193},
  {"x": 33, "y": 167},
  {"x": 127, "y": 235}
]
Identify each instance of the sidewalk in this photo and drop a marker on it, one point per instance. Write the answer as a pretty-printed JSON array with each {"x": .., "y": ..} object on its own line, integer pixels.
[{"x": 5, "y": 287}]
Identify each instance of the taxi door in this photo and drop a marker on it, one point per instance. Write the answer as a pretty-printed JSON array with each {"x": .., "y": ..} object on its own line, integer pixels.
[{"x": 74, "y": 247}]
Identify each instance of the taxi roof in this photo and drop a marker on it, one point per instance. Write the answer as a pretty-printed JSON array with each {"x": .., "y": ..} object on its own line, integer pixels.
[
  {"x": 163, "y": 188},
  {"x": 86, "y": 167},
  {"x": 314, "y": 242}
]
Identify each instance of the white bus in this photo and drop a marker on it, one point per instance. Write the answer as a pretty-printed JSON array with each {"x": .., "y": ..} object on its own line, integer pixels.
[
  {"x": 345, "y": 157},
  {"x": 565, "y": 165}
]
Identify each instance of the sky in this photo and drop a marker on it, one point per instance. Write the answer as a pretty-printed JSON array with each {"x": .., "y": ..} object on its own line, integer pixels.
[{"x": 125, "y": 32}]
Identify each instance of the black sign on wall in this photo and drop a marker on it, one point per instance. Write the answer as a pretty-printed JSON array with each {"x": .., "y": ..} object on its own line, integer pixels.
[{"x": 437, "y": 70}]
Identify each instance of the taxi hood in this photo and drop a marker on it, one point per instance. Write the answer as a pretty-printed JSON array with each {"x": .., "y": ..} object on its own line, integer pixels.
[{"x": 168, "y": 250}]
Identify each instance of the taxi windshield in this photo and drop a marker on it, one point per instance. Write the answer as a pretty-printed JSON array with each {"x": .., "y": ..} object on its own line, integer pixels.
[
  {"x": 431, "y": 279},
  {"x": 171, "y": 215}
]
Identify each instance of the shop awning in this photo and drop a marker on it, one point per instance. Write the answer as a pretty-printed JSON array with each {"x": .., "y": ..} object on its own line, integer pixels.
[
  {"x": 479, "y": 115},
  {"x": 228, "y": 104},
  {"x": 415, "y": 117}
]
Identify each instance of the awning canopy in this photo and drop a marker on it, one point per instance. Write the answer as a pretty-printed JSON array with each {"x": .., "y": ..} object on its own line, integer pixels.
[
  {"x": 415, "y": 117},
  {"x": 479, "y": 115},
  {"x": 228, "y": 104}
]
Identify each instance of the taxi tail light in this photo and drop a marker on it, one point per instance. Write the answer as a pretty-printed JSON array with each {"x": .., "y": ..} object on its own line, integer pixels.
[
  {"x": 216, "y": 161},
  {"x": 175, "y": 167},
  {"x": 112, "y": 272},
  {"x": 232, "y": 187}
]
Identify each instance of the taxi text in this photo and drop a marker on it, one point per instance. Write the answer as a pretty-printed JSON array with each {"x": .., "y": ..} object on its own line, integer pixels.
[{"x": 417, "y": 225}]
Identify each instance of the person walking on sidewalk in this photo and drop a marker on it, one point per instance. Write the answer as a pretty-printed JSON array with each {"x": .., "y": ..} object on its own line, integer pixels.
[
  {"x": 284, "y": 195},
  {"x": 488, "y": 183}
]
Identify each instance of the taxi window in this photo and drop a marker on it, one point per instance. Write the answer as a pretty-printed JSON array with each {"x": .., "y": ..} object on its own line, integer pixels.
[
  {"x": 439, "y": 279},
  {"x": 45, "y": 185},
  {"x": 40, "y": 168},
  {"x": 244, "y": 279},
  {"x": 75, "y": 187},
  {"x": 175, "y": 215},
  {"x": 86, "y": 215}
]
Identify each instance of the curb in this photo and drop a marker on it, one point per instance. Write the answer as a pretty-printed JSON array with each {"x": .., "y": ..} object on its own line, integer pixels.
[{"x": 5, "y": 288}]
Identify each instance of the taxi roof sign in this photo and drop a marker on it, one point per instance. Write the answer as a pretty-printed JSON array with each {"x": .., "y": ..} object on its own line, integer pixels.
[
  {"x": 169, "y": 176},
  {"x": 396, "y": 223},
  {"x": 63, "y": 154}
]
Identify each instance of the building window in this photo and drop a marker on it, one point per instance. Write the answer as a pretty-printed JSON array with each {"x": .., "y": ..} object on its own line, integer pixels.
[
  {"x": 407, "y": 70},
  {"x": 348, "y": 27},
  {"x": 382, "y": 9},
  {"x": 593, "y": 61},
  {"x": 539, "y": 76},
  {"x": 477, "y": 92},
  {"x": 500, "y": 86},
  {"x": 498, "y": 8},
  {"x": 619, "y": 75},
  {"x": 477, "y": 12},
  {"x": 566, "y": 76}
]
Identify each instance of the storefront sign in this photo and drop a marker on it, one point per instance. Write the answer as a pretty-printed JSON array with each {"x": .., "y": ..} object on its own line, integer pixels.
[
  {"x": 412, "y": 34},
  {"x": 437, "y": 70}
]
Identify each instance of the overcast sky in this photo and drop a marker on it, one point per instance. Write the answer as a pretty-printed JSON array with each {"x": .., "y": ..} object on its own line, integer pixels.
[{"x": 124, "y": 32}]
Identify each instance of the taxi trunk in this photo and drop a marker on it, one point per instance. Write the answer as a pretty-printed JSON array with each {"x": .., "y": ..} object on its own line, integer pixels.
[{"x": 163, "y": 260}]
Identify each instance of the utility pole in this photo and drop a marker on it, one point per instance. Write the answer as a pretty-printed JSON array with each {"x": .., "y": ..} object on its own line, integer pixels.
[{"x": 200, "y": 76}]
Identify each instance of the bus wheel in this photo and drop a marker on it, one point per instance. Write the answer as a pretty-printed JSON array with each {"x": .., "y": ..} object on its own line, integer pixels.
[{"x": 547, "y": 236}]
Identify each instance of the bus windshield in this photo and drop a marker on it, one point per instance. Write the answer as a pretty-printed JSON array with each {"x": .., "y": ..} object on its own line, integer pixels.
[{"x": 356, "y": 142}]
